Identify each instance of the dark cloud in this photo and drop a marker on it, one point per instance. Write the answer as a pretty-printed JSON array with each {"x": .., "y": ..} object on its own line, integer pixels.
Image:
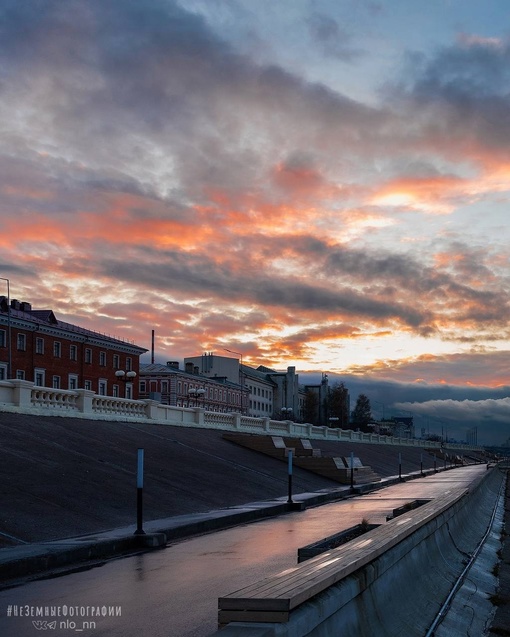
[
  {"x": 461, "y": 96},
  {"x": 148, "y": 87},
  {"x": 198, "y": 274},
  {"x": 436, "y": 408},
  {"x": 333, "y": 40},
  {"x": 147, "y": 159}
]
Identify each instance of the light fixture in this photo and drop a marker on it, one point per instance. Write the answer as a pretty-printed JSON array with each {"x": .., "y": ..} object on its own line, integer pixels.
[{"x": 127, "y": 377}]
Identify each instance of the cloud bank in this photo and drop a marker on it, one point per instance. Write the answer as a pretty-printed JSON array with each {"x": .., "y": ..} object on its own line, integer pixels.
[{"x": 155, "y": 174}]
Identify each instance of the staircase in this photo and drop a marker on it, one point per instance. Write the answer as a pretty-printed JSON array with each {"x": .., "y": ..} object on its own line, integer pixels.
[{"x": 306, "y": 457}]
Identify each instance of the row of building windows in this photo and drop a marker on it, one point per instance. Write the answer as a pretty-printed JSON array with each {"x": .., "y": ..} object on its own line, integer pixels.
[
  {"x": 183, "y": 392},
  {"x": 72, "y": 382},
  {"x": 254, "y": 404},
  {"x": 259, "y": 391},
  {"x": 213, "y": 393},
  {"x": 21, "y": 345}
]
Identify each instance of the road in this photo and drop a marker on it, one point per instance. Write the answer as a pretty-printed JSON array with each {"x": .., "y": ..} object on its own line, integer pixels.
[{"x": 173, "y": 592}]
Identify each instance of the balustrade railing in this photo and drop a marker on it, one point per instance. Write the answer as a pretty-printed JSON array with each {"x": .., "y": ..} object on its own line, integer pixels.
[
  {"x": 54, "y": 399},
  {"x": 24, "y": 396}
]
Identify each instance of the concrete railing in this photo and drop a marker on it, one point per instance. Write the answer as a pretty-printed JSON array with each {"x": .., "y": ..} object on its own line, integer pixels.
[{"x": 24, "y": 397}]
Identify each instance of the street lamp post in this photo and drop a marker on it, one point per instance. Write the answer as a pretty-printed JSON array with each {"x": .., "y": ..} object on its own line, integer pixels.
[
  {"x": 286, "y": 412},
  {"x": 9, "y": 344},
  {"x": 125, "y": 377},
  {"x": 195, "y": 393}
]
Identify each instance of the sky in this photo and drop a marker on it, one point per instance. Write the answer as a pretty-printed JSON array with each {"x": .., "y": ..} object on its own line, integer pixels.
[{"x": 317, "y": 183}]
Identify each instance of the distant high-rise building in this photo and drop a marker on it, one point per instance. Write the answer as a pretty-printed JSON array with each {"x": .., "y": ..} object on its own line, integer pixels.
[{"x": 472, "y": 436}]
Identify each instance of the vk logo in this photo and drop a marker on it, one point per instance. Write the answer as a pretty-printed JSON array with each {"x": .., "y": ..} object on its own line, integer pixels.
[{"x": 42, "y": 625}]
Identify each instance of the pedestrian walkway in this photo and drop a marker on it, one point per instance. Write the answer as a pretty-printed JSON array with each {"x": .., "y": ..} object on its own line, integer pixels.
[
  {"x": 31, "y": 559},
  {"x": 178, "y": 588}
]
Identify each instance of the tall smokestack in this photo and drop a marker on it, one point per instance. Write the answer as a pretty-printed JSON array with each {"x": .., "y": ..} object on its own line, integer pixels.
[{"x": 152, "y": 348}]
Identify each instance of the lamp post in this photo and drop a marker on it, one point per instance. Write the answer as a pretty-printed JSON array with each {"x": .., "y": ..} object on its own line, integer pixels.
[
  {"x": 196, "y": 393},
  {"x": 286, "y": 413},
  {"x": 9, "y": 344},
  {"x": 125, "y": 377}
]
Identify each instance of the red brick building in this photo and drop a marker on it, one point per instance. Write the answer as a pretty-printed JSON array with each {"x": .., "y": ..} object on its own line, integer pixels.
[
  {"x": 187, "y": 388},
  {"x": 52, "y": 353}
]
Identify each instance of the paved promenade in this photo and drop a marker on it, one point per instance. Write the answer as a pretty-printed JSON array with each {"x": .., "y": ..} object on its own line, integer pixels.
[{"x": 173, "y": 592}]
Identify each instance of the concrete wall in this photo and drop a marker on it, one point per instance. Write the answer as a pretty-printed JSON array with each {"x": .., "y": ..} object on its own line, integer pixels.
[{"x": 401, "y": 590}]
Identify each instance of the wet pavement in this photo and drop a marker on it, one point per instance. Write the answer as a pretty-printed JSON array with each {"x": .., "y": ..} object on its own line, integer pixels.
[{"x": 173, "y": 592}]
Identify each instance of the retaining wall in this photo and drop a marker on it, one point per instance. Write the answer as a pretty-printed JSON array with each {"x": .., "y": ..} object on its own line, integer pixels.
[{"x": 400, "y": 590}]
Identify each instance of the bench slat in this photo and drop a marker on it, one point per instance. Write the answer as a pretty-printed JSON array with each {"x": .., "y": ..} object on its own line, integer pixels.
[{"x": 291, "y": 588}]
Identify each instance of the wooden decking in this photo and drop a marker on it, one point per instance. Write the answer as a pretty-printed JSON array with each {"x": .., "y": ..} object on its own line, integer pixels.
[{"x": 274, "y": 598}]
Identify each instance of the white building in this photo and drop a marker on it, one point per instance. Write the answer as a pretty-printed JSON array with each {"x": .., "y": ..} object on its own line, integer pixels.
[{"x": 273, "y": 394}]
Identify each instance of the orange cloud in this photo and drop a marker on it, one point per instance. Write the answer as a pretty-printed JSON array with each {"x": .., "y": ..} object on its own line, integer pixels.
[{"x": 428, "y": 194}]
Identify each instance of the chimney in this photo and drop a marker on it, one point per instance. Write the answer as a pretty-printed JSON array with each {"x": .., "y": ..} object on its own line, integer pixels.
[
  {"x": 173, "y": 364},
  {"x": 25, "y": 307},
  {"x": 196, "y": 370},
  {"x": 188, "y": 368}
]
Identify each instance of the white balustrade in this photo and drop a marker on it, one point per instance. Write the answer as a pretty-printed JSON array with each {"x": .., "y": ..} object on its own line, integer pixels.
[
  {"x": 24, "y": 397},
  {"x": 61, "y": 399}
]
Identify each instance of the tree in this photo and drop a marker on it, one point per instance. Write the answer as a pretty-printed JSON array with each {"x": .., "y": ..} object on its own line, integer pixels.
[
  {"x": 338, "y": 406},
  {"x": 362, "y": 413},
  {"x": 311, "y": 407}
]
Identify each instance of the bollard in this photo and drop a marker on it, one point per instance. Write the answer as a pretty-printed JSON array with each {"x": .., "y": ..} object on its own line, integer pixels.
[
  {"x": 289, "y": 501},
  {"x": 139, "y": 495}
]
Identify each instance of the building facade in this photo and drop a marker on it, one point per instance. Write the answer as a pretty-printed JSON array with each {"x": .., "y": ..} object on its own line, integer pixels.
[
  {"x": 188, "y": 388},
  {"x": 38, "y": 347},
  {"x": 272, "y": 394}
]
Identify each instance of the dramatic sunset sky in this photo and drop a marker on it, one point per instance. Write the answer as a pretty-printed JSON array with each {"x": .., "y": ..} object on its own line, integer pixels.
[{"x": 318, "y": 183}]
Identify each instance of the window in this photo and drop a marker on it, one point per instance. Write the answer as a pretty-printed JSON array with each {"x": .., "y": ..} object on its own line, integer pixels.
[
  {"x": 3, "y": 371},
  {"x": 115, "y": 391},
  {"x": 20, "y": 374},
  {"x": 164, "y": 386},
  {"x": 22, "y": 342},
  {"x": 72, "y": 382},
  {"x": 142, "y": 387},
  {"x": 39, "y": 377},
  {"x": 128, "y": 364},
  {"x": 56, "y": 382},
  {"x": 116, "y": 361},
  {"x": 129, "y": 391},
  {"x": 39, "y": 345},
  {"x": 3, "y": 340},
  {"x": 102, "y": 387},
  {"x": 57, "y": 349},
  {"x": 102, "y": 359},
  {"x": 73, "y": 352},
  {"x": 88, "y": 385},
  {"x": 88, "y": 355}
]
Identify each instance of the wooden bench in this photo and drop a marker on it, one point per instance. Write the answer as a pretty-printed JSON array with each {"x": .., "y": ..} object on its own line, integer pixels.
[{"x": 274, "y": 598}]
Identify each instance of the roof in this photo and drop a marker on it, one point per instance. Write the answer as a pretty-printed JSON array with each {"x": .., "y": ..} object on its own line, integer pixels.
[
  {"x": 159, "y": 369},
  {"x": 48, "y": 318},
  {"x": 257, "y": 373}
]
